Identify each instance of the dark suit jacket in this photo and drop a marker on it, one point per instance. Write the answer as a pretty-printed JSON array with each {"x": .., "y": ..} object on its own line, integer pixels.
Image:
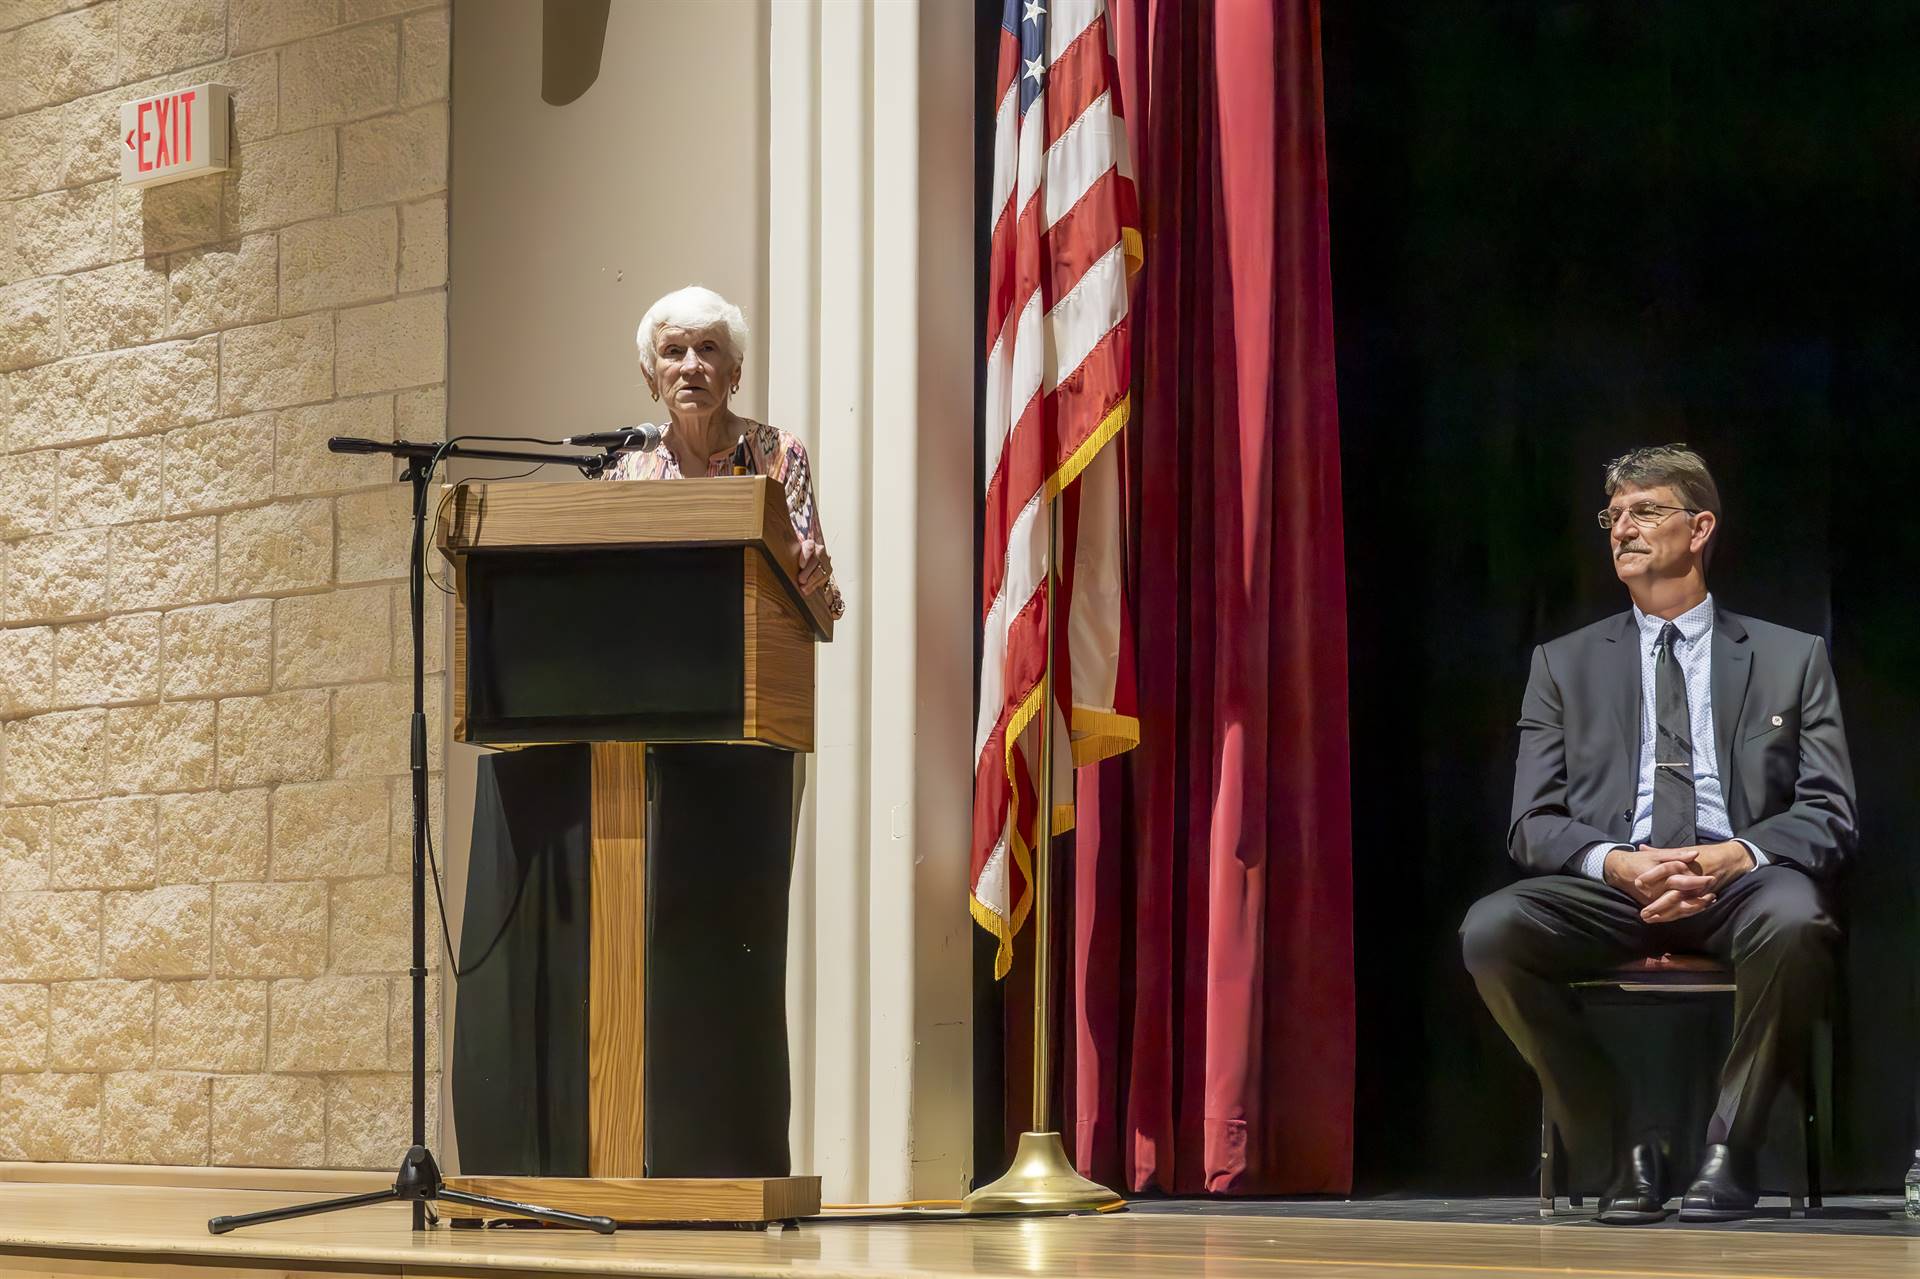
[{"x": 1789, "y": 786}]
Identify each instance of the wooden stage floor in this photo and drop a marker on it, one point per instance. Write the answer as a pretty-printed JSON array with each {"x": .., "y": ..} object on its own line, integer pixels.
[{"x": 68, "y": 1230}]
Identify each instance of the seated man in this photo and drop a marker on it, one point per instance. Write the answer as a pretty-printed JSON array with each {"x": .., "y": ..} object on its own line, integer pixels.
[{"x": 1682, "y": 785}]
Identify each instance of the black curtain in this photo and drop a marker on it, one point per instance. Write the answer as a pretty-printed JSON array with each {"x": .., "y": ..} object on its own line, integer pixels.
[{"x": 1560, "y": 230}]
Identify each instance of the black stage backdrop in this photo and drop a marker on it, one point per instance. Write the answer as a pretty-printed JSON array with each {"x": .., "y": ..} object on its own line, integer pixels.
[{"x": 1559, "y": 230}]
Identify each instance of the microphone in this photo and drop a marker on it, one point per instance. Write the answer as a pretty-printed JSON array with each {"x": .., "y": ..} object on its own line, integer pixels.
[
  {"x": 354, "y": 444},
  {"x": 633, "y": 439}
]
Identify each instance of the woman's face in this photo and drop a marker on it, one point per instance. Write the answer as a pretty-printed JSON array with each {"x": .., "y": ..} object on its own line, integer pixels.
[{"x": 694, "y": 368}]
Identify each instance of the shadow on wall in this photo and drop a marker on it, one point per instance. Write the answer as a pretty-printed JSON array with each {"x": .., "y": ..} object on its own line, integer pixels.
[{"x": 572, "y": 35}]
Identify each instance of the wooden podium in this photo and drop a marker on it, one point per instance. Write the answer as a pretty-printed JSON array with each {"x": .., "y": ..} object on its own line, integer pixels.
[{"x": 650, "y": 636}]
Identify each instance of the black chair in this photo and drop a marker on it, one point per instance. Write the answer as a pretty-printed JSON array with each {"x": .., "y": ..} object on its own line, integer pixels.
[{"x": 1666, "y": 976}]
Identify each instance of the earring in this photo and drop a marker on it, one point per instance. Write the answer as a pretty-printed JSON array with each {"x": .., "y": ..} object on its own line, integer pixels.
[{"x": 656, "y": 397}]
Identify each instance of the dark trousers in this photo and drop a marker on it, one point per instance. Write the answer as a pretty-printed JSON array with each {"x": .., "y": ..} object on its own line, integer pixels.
[{"x": 1525, "y": 943}]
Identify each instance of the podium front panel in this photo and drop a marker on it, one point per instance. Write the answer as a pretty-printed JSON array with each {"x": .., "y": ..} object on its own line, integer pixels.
[
  {"x": 624, "y": 1011},
  {"x": 604, "y": 645}
]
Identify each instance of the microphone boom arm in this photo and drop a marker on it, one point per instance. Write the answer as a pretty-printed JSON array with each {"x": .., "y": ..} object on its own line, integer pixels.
[{"x": 426, "y": 450}]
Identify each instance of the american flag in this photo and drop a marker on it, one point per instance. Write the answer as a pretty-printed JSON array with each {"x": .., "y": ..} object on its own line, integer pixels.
[{"x": 1066, "y": 239}]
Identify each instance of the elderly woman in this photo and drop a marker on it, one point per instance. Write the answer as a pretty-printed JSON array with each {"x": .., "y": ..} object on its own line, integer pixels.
[
  {"x": 719, "y": 822},
  {"x": 692, "y": 343}
]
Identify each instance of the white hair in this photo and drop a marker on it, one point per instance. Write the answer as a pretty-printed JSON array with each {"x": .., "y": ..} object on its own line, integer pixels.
[{"x": 691, "y": 308}]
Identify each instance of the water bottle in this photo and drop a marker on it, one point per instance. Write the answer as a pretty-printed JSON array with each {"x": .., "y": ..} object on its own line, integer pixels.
[{"x": 1913, "y": 1188}]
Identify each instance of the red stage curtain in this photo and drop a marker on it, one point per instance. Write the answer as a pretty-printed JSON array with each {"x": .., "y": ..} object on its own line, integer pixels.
[{"x": 1209, "y": 994}]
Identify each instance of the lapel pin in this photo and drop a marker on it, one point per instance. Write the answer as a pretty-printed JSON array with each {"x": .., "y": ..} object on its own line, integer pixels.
[{"x": 1777, "y": 721}]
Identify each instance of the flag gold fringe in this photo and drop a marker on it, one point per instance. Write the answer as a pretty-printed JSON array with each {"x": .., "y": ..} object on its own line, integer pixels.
[{"x": 1099, "y": 735}]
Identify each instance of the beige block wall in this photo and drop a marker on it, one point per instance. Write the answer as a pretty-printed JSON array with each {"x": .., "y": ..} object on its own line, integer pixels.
[{"x": 203, "y": 658}]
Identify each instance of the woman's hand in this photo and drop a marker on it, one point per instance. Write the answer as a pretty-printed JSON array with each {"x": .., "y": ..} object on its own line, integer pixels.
[{"x": 816, "y": 566}]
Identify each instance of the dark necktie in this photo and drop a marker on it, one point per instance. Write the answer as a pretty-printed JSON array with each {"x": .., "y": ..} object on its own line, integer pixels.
[{"x": 1673, "y": 799}]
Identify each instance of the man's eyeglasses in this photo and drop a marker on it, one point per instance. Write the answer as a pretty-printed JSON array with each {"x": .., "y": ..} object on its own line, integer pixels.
[{"x": 1645, "y": 514}]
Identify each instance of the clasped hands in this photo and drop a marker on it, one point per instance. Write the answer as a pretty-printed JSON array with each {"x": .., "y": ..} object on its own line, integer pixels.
[{"x": 1673, "y": 883}]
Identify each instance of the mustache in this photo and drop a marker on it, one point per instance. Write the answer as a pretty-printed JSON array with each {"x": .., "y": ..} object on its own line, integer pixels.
[{"x": 1632, "y": 546}]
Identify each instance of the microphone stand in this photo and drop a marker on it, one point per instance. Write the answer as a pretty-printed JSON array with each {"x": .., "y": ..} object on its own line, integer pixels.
[{"x": 419, "y": 1181}]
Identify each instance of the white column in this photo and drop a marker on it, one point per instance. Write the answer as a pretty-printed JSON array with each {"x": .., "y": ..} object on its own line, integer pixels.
[
  {"x": 894, "y": 667},
  {"x": 869, "y": 341},
  {"x": 790, "y": 338},
  {"x": 844, "y": 333},
  {"x": 941, "y": 778}
]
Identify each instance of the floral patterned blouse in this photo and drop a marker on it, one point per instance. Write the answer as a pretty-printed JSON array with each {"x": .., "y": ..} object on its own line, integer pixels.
[{"x": 774, "y": 453}]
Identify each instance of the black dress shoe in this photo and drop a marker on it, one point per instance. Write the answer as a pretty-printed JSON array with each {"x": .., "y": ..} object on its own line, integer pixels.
[
  {"x": 1722, "y": 1191},
  {"x": 1638, "y": 1196}
]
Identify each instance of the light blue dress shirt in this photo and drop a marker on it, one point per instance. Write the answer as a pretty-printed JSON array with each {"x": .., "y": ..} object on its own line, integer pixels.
[{"x": 1694, "y": 650}]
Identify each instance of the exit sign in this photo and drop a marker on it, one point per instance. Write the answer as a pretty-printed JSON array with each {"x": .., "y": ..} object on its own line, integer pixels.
[{"x": 174, "y": 135}]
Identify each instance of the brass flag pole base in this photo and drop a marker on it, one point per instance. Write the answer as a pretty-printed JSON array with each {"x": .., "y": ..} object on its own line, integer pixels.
[{"x": 1042, "y": 1179}]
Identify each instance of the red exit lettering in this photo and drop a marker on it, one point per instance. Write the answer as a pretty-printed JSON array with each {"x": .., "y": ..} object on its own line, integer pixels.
[{"x": 171, "y": 134}]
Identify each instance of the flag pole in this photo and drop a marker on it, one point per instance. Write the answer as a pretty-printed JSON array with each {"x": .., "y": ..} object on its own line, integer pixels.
[{"x": 1042, "y": 1178}]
